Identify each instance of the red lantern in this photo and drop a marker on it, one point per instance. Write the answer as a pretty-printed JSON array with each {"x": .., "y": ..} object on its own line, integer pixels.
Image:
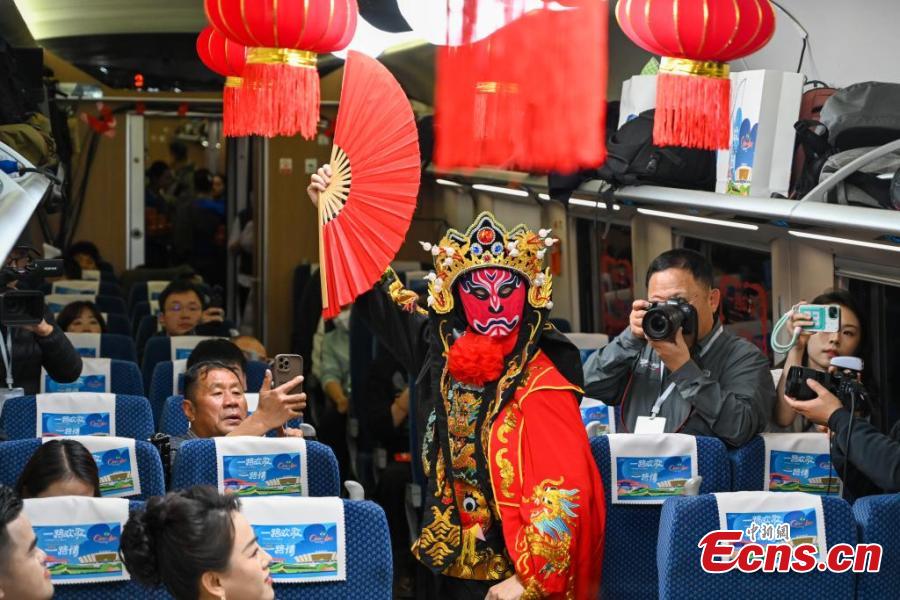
[
  {"x": 696, "y": 38},
  {"x": 227, "y": 58},
  {"x": 281, "y": 83}
]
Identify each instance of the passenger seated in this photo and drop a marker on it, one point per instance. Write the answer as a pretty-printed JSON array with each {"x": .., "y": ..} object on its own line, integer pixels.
[
  {"x": 86, "y": 254},
  {"x": 197, "y": 543},
  {"x": 23, "y": 566},
  {"x": 815, "y": 351},
  {"x": 81, "y": 317},
  {"x": 59, "y": 468},
  {"x": 712, "y": 383},
  {"x": 182, "y": 311},
  {"x": 215, "y": 405}
]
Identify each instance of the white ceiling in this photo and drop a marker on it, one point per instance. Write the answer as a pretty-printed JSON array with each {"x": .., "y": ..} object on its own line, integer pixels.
[{"x": 64, "y": 18}]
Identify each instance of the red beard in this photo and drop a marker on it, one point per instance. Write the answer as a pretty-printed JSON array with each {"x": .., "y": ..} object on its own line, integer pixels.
[{"x": 477, "y": 359}]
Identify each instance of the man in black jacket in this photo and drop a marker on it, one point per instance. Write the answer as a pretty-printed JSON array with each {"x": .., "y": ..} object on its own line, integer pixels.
[
  {"x": 31, "y": 347},
  {"x": 874, "y": 458}
]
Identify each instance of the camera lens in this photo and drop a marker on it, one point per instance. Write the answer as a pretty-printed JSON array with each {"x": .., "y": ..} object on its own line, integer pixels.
[{"x": 833, "y": 312}]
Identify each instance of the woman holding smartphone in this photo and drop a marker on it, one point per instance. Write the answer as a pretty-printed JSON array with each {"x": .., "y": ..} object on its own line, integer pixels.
[{"x": 815, "y": 350}]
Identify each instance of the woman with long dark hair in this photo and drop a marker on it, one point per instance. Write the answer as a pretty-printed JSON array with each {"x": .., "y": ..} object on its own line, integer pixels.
[
  {"x": 59, "y": 468},
  {"x": 198, "y": 544},
  {"x": 815, "y": 351}
]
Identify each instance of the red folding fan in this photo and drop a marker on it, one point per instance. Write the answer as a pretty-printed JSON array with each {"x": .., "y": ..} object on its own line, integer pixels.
[{"x": 366, "y": 210}]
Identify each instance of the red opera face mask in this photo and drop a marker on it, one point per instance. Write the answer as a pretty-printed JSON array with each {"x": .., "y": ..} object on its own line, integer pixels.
[{"x": 493, "y": 300}]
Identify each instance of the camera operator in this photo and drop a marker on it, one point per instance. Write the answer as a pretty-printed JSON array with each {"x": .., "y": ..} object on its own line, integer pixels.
[
  {"x": 814, "y": 350},
  {"x": 27, "y": 348},
  {"x": 685, "y": 371},
  {"x": 873, "y": 457}
]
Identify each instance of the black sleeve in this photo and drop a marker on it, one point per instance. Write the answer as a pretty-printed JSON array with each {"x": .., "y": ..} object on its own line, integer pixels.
[
  {"x": 58, "y": 356},
  {"x": 380, "y": 396},
  {"x": 874, "y": 457},
  {"x": 402, "y": 332}
]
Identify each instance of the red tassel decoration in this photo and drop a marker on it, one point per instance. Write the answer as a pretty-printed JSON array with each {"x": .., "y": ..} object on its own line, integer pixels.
[
  {"x": 284, "y": 93},
  {"x": 231, "y": 107},
  {"x": 531, "y": 96},
  {"x": 697, "y": 39},
  {"x": 692, "y": 110},
  {"x": 476, "y": 359}
]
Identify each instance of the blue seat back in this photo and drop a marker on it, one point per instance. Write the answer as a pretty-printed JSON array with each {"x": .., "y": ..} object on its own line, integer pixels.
[
  {"x": 686, "y": 520},
  {"x": 118, "y": 347},
  {"x": 133, "y": 417},
  {"x": 157, "y": 350},
  {"x": 118, "y": 590},
  {"x": 369, "y": 561},
  {"x": 15, "y": 454},
  {"x": 147, "y": 326},
  {"x": 876, "y": 520},
  {"x": 139, "y": 311},
  {"x": 126, "y": 378},
  {"x": 195, "y": 464},
  {"x": 629, "y": 558},
  {"x": 111, "y": 304},
  {"x": 118, "y": 324},
  {"x": 748, "y": 465},
  {"x": 137, "y": 293}
]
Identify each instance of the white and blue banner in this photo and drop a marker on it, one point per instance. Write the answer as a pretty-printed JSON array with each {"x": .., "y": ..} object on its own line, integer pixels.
[
  {"x": 648, "y": 468},
  {"x": 259, "y": 466},
  {"x": 95, "y": 377},
  {"x": 75, "y": 413},
  {"x": 80, "y": 537},
  {"x": 304, "y": 536}
]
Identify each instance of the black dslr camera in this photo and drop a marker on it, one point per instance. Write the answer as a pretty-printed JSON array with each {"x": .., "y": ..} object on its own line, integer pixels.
[
  {"x": 663, "y": 319},
  {"x": 845, "y": 387},
  {"x": 25, "y": 307}
]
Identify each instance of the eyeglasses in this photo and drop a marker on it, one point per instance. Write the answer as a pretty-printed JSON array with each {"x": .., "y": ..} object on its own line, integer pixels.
[{"x": 178, "y": 307}]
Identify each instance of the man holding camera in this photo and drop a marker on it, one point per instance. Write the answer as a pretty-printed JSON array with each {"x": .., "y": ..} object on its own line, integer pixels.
[
  {"x": 28, "y": 338},
  {"x": 675, "y": 368}
]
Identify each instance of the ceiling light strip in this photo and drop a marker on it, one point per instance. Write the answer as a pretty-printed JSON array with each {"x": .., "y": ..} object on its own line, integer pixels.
[{"x": 695, "y": 219}]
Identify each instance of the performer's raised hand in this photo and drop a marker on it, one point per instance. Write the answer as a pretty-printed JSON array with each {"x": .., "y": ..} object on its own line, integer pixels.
[{"x": 318, "y": 182}]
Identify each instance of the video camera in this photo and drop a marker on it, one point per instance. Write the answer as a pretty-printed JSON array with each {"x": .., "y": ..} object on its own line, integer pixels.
[
  {"x": 843, "y": 385},
  {"x": 664, "y": 319},
  {"x": 24, "y": 307}
]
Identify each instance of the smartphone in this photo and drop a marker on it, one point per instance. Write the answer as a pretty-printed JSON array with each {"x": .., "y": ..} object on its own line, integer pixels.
[
  {"x": 286, "y": 367},
  {"x": 825, "y": 317}
]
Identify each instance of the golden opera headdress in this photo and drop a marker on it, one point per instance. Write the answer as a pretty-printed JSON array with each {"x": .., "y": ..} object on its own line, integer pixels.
[{"x": 487, "y": 243}]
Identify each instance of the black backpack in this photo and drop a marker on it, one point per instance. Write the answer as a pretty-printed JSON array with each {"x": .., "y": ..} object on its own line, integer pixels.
[{"x": 632, "y": 159}]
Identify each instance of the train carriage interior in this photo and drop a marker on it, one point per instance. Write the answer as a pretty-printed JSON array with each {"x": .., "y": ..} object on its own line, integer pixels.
[{"x": 288, "y": 271}]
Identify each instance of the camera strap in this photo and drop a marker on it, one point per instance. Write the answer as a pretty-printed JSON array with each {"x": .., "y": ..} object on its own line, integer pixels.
[
  {"x": 654, "y": 412},
  {"x": 6, "y": 352}
]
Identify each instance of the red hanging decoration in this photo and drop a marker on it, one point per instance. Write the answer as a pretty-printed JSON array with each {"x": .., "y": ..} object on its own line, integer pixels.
[
  {"x": 104, "y": 123},
  {"x": 281, "y": 83},
  {"x": 183, "y": 109},
  {"x": 532, "y": 95},
  {"x": 227, "y": 58},
  {"x": 696, "y": 39}
]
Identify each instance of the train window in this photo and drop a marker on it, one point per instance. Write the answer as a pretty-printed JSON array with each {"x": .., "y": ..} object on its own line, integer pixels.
[
  {"x": 610, "y": 277},
  {"x": 744, "y": 278},
  {"x": 883, "y": 305}
]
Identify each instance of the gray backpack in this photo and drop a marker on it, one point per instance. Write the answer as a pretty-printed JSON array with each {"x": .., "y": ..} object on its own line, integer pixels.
[
  {"x": 869, "y": 186},
  {"x": 862, "y": 114}
]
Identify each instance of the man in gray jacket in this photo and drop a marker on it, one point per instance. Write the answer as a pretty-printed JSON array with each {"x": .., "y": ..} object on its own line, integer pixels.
[{"x": 710, "y": 382}]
